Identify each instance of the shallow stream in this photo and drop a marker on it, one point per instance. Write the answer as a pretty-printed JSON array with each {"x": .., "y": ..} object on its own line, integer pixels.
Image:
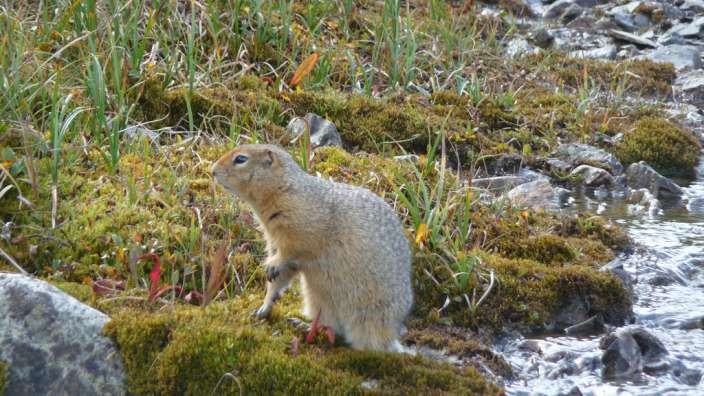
[{"x": 667, "y": 268}]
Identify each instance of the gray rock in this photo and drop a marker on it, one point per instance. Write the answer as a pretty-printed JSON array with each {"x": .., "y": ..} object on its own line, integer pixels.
[
  {"x": 519, "y": 46},
  {"x": 696, "y": 205},
  {"x": 53, "y": 343},
  {"x": 689, "y": 30},
  {"x": 641, "y": 175},
  {"x": 681, "y": 56},
  {"x": 542, "y": 38},
  {"x": 539, "y": 194},
  {"x": 671, "y": 38},
  {"x": 632, "y": 38},
  {"x": 592, "y": 176},
  {"x": 322, "y": 131},
  {"x": 691, "y": 83},
  {"x": 584, "y": 154},
  {"x": 694, "y": 5},
  {"x": 627, "y": 350},
  {"x": 503, "y": 183},
  {"x": 606, "y": 52},
  {"x": 590, "y": 3},
  {"x": 557, "y": 8},
  {"x": 625, "y": 22},
  {"x": 571, "y": 13},
  {"x": 557, "y": 165}
]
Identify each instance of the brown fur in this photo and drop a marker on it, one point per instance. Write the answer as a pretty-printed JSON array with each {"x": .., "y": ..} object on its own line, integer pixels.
[{"x": 345, "y": 242}]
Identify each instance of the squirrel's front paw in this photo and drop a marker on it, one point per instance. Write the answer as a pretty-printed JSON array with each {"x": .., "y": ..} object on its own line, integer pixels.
[{"x": 272, "y": 273}]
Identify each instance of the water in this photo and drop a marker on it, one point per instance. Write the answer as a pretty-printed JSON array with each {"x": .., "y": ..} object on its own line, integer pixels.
[{"x": 669, "y": 303}]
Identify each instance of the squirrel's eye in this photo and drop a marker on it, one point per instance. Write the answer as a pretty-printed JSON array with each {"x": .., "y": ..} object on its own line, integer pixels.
[{"x": 240, "y": 159}]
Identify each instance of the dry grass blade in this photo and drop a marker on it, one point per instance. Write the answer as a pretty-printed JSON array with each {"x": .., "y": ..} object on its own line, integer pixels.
[
  {"x": 12, "y": 262},
  {"x": 306, "y": 67},
  {"x": 217, "y": 272}
]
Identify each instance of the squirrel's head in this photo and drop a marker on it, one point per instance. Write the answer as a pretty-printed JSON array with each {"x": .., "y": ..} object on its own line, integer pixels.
[{"x": 252, "y": 171}]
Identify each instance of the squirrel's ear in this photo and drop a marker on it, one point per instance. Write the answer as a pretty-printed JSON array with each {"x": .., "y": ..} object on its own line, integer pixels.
[{"x": 271, "y": 158}]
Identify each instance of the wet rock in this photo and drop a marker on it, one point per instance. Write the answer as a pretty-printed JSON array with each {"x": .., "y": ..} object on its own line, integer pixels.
[
  {"x": 687, "y": 376},
  {"x": 641, "y": 175},
  {"x": 632, "y": 38},
  {"x": 322, "y": 131},
  {"x": 592, "y": 176},
  {"x": 574, "y": 310},
  {"x": 573, "y": 392},
  {"x": 693, "y": 5},
  {"x": 539, "y": 194},
  {"x": 642, "y": 200},
  {"x": 584, "y": 154},
  {"x": 681, "y": 56},
  {"x": 53, "y": 343},
  {"x": 696, "y": 205},
  {"x": 627, "y": 350}
]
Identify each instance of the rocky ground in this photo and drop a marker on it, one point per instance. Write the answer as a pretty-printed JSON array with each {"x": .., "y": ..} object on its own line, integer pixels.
[{"x": 479, "y": 123}]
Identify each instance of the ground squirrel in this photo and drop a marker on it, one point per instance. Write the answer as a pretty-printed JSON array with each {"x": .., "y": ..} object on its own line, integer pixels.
[{"x": 346, "y": 242}]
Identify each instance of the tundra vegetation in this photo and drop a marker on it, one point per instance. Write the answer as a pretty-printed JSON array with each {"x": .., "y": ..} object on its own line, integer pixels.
[{"x": 112, "y": 113}]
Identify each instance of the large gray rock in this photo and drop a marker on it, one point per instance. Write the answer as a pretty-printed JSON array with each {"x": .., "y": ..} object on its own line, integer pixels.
[
  {"x": 584, "y": 154},
  {"x": 53, "y": 343},
  {"x": 632, "y": 38},
  {"x": 539, "y": 194},
  {"x": 641, "y": 175},
  {"x": 592, "y": 176},
  {"x": 691, "y": 83},
  {"x": 628, "y": 350},
  {"x": 322, "y": 131},
  {"x": 681, "y": 56}
]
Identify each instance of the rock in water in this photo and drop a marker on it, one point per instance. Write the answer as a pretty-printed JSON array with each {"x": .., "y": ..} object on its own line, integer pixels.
[
  {"x": 641, "y": 175},
  {"x": 584, "y": 154},
  {"x": 539, "y": 194},
  {"x": 628, "y": 350},
  {"x": 53, "y": 344},
  {"x": 592, "y": 176},
  {"x": 322, "y": 131}
]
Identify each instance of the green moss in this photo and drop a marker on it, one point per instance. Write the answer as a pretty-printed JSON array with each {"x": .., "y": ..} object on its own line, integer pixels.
[
  {"x": 527, "y": 295},
  {"x": 220, "y": 348},
  {"x": 3, "y": 377},
  {"x": 369, "y": 124},
  {"x": 638, "y": 77},
  {"x": 79, "y": 291},
  {"x": 548, "y": 249},
  {"x": 666, "y": 147}
]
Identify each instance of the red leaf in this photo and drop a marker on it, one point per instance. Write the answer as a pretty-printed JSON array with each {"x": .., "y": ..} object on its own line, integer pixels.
[
  {"x": 106, "y": 287},
  {"x": 154, "y": 275},
  {"x": 330, "y": 333},
  {"x": 163, "y": 290},
  {"x": 294, "y": 346},
  {"x": 313, "y": 329}
]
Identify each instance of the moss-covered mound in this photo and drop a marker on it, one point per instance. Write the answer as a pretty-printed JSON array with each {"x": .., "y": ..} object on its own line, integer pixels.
[
  {"x": 668, "y": 148},
  {"x": 221, "y": 350}
]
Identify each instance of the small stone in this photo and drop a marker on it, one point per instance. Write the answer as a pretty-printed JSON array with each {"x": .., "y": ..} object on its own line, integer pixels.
[
  {"x": 681, "y": 56},
  {"x": 671, "y": 38},
  {"x": 539, "y": 194},
  {"x": 542, "y": 38},
  {"x": 606, "y": 52},
  {"x": 627, "y": 350},
  {"x": 519, "y": 46},
  {"x": 584, "y": 154},
  {"x": 592, "y": 176},
  {"x": 322, "y": 131},
  {"x": 640, "y": 175},
  {"x": 632, "y": 38},
  {"x": 571, "y": 13}
]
